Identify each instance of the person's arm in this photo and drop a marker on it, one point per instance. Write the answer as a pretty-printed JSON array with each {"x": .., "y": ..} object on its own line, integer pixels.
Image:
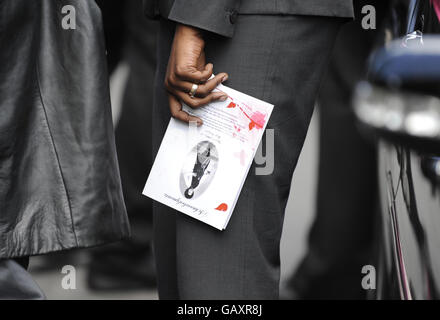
[
  {"x": 217, "y": 16},
  {"x": 187, "y": 63},
  {"x": 187, "y": 66}
]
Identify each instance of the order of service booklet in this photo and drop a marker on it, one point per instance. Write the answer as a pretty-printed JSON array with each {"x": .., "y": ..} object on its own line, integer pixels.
[{"x": 200, "y": 171}]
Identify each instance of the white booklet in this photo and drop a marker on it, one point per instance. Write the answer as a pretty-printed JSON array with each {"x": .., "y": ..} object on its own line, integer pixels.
[{"x": 200, "y": 171}]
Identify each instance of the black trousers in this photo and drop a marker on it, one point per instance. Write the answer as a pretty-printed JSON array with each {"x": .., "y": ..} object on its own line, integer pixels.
[{"x": 16, "y": 283}]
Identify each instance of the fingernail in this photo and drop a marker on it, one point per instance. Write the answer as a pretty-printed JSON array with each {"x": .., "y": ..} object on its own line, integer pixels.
[
  {"x": 223, "y": 98},
  {"x": 225, "y": 78}
]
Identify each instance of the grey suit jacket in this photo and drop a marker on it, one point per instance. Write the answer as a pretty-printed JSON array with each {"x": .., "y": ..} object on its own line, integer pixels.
[{"x": 219, "y": 16}]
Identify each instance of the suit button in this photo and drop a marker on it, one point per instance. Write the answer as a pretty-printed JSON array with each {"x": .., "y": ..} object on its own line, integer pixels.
[{"x": 233, "y": 16}]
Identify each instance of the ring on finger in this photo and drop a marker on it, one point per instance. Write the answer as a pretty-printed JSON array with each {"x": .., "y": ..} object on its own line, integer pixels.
[{"x": 193, "y": 90}]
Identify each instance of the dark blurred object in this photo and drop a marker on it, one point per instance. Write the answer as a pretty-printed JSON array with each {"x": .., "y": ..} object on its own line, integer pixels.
[
  {"x": 400, "y": 106},
  {"x": 114, "y": 28},
  {"x": 60, "y": 185},
  {"x": 16, "y": 282},
  {"x": 340, "y": 240},
  {"x": 59, "y": 180},
  {"x": 131, "y": 39}
]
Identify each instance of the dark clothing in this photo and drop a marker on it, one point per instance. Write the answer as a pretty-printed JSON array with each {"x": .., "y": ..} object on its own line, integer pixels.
[
  {"x": 131, "y": 39},
  {"x": 273, "y": 58},
  {"x": 341, "y": 237},
  {"x": 220, "y": 16},
  {"x": 133, "y": 258},
  {"x": 59, "y": 179},
  {"x": 113, "y": 13},
  {"x": 134, "y": 128},
  {"x": 16, "y": 283}
]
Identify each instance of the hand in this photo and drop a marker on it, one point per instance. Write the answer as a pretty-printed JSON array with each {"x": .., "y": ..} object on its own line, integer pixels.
[{"x": 187, "y": 66}]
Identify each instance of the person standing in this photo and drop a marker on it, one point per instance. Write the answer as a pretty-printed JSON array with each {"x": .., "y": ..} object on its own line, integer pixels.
[{"x": 276, "y": 51}]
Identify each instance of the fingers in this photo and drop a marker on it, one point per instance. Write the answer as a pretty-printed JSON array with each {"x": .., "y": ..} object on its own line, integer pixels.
[
  {"x": 193, "y": 75},
  {"x": 178, "y": 113},
  {"x": 202, "y": 91},
  {"x": 200, "y": 102}
]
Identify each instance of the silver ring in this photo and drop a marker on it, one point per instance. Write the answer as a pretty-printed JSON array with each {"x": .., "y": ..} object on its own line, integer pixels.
[{"x": 193, "y": 91}]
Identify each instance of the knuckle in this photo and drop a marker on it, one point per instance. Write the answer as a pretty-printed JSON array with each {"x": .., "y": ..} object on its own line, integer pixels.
[
  {"x": 172, "y": 80},
  {"x": 203, "y": 92},
  {"x": 180, "y": 71},
  {"x": 173, "y": 112},
  {"x": 195, "y": 104},
  {"x": 209, "y": 68}
]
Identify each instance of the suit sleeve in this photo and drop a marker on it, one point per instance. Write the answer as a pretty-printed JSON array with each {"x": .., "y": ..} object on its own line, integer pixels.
[{"x": 217, "y": 16}]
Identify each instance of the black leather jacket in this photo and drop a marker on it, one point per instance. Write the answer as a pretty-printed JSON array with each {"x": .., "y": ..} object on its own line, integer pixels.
[{"x": 59, "y": 178}]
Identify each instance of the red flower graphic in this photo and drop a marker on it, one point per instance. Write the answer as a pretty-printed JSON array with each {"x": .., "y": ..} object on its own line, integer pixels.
[{"x": 222, "y": 207}]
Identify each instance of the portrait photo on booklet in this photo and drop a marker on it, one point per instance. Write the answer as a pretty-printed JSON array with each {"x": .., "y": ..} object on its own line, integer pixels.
[{"x": 200, "y": 170}]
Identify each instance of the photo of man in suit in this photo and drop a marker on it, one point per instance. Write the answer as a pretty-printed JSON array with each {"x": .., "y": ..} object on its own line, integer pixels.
[{"x": 276, "y": 51}]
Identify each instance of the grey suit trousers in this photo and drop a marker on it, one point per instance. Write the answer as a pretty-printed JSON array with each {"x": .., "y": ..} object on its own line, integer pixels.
[{"x": 279, "y": 59}]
